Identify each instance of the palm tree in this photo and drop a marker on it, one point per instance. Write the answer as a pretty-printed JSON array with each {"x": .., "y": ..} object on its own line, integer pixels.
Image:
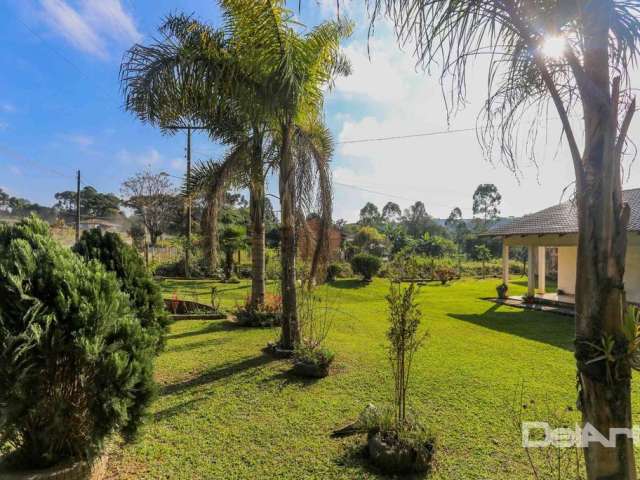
[
  {"x": 573, "y": 55},
  {"x": 246, "y": 82},
  {"x": 295, "y": 69}
]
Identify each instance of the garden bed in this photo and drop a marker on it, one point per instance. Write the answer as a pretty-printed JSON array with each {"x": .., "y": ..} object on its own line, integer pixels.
[{"x": 189, "y": 310}]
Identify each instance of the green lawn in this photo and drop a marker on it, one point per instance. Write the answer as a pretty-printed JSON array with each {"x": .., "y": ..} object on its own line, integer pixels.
[{"x": 228, "y": 411}]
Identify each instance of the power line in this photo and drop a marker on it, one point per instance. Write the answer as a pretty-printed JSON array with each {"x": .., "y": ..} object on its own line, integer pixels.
[
  {"x": 23, "y": 159},
  {"x": 356, "y": 187},
  {"x": 402, "y": 137}
]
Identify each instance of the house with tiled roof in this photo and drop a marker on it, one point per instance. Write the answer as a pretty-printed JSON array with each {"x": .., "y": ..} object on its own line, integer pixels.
[{"x": 557, "y": 227}]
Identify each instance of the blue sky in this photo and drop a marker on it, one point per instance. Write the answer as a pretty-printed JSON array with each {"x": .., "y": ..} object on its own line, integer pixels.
[{"x": 61, "y": 110}]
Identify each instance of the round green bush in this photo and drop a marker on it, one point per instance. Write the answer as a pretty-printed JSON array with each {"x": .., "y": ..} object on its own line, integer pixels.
[
  {"x": 75, "y": 363},
  {"x": 366, "y": 265},
  {"x": 333, "y": 270},
  {"x": 144, "y": 294}
]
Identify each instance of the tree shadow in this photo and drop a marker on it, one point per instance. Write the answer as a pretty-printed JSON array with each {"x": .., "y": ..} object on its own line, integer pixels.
[
  {"x": 348, "y": 283},
  {"x": 195, "y": 345},
  {"x": 177, "y": 409},
  {"x": 287, "y": 377},
  {"x": 212, "y": 327},
  {"x": 218, "y": 373},
  {"x": 356, "y": 456},
  {"x": 543, "y": 327}
]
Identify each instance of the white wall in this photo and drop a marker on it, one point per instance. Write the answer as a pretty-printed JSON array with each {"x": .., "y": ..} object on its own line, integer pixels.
[
  {"x": 567, "y": 259},
  {"x": 567, "y": 269},
  {"x": 632, "y": 268}
]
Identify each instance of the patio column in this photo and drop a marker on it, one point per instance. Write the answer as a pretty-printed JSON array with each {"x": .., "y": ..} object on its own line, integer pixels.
[
  {"x": 542, "y": 269},
  {"x": 505, "y": 263},
  {"x": 531, "y": 267}
]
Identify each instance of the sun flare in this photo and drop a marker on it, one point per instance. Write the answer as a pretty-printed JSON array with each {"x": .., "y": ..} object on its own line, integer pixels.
[{"x": 554, "y": 47}]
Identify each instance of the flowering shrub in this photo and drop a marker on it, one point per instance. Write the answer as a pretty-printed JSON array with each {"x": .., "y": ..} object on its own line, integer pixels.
[{"x": 267, "y": 315}]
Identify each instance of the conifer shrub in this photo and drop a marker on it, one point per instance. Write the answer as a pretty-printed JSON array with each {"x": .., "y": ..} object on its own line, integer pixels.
[
  {"x": 366, "y": 265},
  {"x": 75, "y": 363},
  {"x": 144, "y": 294}
]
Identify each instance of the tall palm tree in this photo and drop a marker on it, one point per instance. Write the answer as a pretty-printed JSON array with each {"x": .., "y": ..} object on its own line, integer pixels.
[
  {"x": 232, "y": 82},
  {"x": 294, "y": 69},
  {"x": 187, "y": 77},
  {"x": 574, "y": 55}
]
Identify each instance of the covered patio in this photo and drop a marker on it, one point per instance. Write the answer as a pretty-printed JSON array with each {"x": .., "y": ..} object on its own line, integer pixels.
[
  {"x": 556, "y": 227},
  {"x": 538, "y": 247}
]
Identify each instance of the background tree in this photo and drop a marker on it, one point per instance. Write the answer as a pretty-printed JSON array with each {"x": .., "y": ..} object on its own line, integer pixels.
[
  {"x": 233, "y": 238},
  {"x": 486, "y": 202},
  {"x": 391, "y": 212},
  {"x": 4, "y": 201},
  {"x": 577, "y": 56},
  {"x": 483, "y": 254},
  {"x": 92, "y": 203},
  {"x": 151, "y": 195},
  {"x": 369, "y": 215}
]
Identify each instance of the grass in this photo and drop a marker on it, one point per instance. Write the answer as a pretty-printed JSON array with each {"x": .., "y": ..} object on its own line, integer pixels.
[{"x": 228, "y": 411}]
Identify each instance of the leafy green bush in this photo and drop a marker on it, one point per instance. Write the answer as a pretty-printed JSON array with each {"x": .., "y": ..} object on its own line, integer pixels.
[
  {"x": 445, "y": 274},
  {"x": 75, "y": 363},
  {"x": 144, "y": 294},
  {"x": 365, "y": 265},
  {"x": 333, "y": 270}
]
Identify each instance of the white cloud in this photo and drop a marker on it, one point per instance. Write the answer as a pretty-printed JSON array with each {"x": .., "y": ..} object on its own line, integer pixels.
[
  {"x": 178, "y": 164},
  {"x": 73, "y": 27},
  {"x": 88, "y": 26},
  {"x": 109, "y": 17},
  {"x": 148, "y": 158},
  {"x": 82, "y": 141},
  {"x": 387, "y": 97},
  {"x": 7, "y": 108}
]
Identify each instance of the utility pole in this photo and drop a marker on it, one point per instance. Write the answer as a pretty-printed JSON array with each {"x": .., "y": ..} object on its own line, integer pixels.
[
  {"x": 187, "y": 256},
  {"x": 187, "y": 253},
  {"x": 78, "y": 208}
]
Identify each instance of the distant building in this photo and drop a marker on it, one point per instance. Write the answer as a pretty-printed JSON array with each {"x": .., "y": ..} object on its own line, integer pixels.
[{"x": 307, "y": 242}]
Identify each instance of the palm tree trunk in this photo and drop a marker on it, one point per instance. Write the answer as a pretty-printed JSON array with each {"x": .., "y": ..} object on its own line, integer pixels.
[
  {"x": 290, "y": 328},
  {"x": 256, "y": 212},
  {"x": 605, "y": 387},
  {"x": 210, "y": 227}
]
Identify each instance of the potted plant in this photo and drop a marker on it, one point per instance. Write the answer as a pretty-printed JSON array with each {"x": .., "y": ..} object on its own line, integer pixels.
[
  {"x": 397, "y": 442},
  {"x": 502, "y": 291},
  {"x": 76, "y": 362},
  {"x": 311, "y": 357},
  {"x": 312, "y": 362}
]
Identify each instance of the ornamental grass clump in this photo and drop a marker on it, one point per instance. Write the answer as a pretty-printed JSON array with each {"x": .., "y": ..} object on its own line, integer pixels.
[
  {"x": 144, "y": 294},
  {"x": 76, "y": 364}
]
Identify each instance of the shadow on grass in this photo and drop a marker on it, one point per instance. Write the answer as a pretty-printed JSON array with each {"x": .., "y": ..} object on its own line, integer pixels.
[
  {"x": 215, "y": 326},
  {"x": 185, "y": 347},
  {"x": 548, "y": 328},
  {"x": 349, "y": 283},
  {"x": 355, "y": 456},
  {"x": 286, "y": 378},
  {"x": 219, "y": 373},
  {"x": 177, "y": 409}
]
